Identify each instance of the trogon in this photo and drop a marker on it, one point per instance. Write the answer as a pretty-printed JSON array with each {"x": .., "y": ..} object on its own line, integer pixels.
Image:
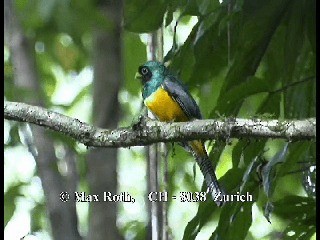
[{"x": 170, "y": 101}]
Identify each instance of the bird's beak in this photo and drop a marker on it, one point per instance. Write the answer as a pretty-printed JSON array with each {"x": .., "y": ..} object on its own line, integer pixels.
[{"x": 138, "y": 76}]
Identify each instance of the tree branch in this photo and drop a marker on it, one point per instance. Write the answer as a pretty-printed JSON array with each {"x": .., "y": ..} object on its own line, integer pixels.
[{"x": 148, "y": 131}]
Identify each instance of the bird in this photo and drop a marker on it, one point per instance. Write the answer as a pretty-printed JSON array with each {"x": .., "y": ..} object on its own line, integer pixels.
[{"x": 169, "y": 100}]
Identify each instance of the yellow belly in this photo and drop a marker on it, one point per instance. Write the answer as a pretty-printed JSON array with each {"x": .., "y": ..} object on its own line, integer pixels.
[{"x": 166, "y": 109}]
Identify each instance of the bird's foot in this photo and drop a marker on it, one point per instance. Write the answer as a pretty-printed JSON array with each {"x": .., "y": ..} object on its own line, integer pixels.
[{"x": 140, "y": 122}]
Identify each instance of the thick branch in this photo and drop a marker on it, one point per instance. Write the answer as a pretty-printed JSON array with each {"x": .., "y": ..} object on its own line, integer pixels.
[{"x": 149, "y": 131}]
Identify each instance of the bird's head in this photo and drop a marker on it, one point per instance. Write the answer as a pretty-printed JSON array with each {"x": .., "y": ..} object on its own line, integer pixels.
[
  {"x": 151, "y": 72},
  {"x": 152, "y": 75}
]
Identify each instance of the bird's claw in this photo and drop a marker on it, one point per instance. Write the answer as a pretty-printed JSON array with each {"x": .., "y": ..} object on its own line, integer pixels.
[{"x": 141, "y": 122}]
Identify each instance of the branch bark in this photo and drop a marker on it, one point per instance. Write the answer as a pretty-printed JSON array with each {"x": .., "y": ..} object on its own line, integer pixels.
[{"x": 148, "y": 131}]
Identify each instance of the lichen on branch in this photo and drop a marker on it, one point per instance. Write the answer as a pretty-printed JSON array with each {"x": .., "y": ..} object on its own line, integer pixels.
[{"x": 148, "y": 131}]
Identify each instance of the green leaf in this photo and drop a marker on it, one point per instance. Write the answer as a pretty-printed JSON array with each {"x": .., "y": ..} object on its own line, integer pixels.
[
  {"x": 294, "y": 39},
  {"x": 310, "y": 172},
  {"x": 37, "y": 215},
  {"x": 300, "y": 101},
  {"x": 301, "y": 214},
  {"x": 270, "y": 105},
  {"x": 311, "y": 23},
  {"x": 294, "y": 205},
  {"x": 206, "y": 209},
  {"x": 251, "y": 86},
  {"x": 134, "y": 55},
  {"x": 144, "y": 16},
  {"x": 260, "y": 21},
  {"x": 207, "y": 6},
  {"x": 8, "y": 211},
  {"x": 235, "y": 220},
  {"x": 9, "y": 201},
  {"x": 183, "y": 62},
  {"x": 189, "y": 8},
  {"x": 298, "y": 231},
  {"x": 301, "y": 155},
  {"x": 268, "y": 171},
  {"x": 247, "y": 151},
  {"x": 297, "y": 153},
  {"x": 169, "y": 16},
  {"x": 236, "y": 217},
  {"x": 14, "y": 139},
  {"x": 238, "y": 151},
  {"x": 250, "y": 174},
  {"x": 210, "y": 48}
]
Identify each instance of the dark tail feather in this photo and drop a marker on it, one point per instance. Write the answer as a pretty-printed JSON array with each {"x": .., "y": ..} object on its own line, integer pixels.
[
  {"x": 209, "y": 176},
  {"x": 211, "y": 180}
]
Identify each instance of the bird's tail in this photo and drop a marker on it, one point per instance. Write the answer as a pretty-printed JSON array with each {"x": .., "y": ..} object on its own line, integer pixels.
[{"x": 198, "y": 150}]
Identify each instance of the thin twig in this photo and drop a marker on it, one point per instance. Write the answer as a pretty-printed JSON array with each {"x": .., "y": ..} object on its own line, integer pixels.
[{"x": 292, "y": 84}]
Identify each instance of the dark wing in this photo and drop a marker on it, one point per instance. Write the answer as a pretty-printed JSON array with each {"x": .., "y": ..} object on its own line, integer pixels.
[{"x": 182, "y": 96}]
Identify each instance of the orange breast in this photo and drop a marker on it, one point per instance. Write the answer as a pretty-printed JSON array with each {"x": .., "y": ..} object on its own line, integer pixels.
[{"x": 164, "y": 107}]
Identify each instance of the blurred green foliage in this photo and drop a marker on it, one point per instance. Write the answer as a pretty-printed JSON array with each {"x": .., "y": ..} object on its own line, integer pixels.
[{"x": 243, "y": 58}]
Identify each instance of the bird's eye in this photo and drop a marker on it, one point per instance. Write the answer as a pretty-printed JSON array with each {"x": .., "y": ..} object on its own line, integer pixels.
[{"x": 144, "y": 71}]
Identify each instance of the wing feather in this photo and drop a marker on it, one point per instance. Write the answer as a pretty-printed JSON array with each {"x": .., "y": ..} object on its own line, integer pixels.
[{"x": 182, "y": 96}]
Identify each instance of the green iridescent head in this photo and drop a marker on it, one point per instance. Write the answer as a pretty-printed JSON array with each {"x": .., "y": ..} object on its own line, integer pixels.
[{"x": 152, "y": 75}]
